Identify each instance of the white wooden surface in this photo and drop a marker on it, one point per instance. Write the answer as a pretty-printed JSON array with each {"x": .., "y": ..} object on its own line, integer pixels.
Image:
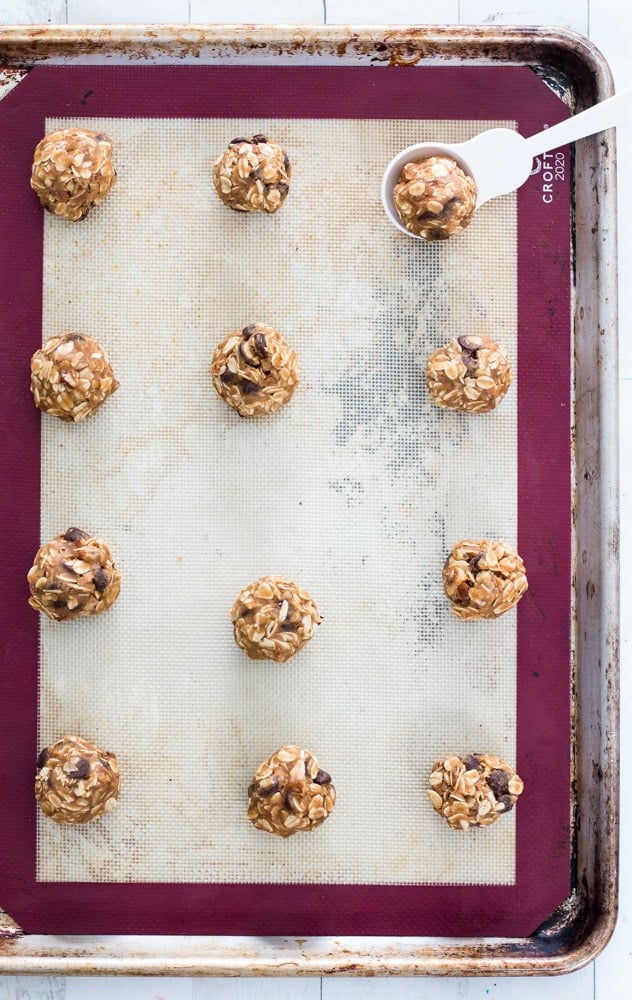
[{"x": 609, "y": 24}]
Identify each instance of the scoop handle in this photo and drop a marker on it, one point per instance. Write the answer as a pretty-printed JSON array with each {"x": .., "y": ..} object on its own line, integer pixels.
[{"x": 606, "y": 114}]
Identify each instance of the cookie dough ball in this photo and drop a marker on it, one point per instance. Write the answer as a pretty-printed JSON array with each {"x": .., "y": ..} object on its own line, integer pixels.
[
  {"x": 272, "y": 619},
  {"x": 470, "y": 373},
  {"x": 254, "y": 370},
  {"x": 253, "y": 175},
  {"x": 71, "y": 376},
  {"x": 434, "y": 198},
  {"x": 290, "y": 792},
  {"x": 483, "y": 579},
  {"x": 73, "y": 576},
  {"x": 76, "y": 781},
  {"x": 72, "y": 171},
  {"x": 473, "y": 791}
]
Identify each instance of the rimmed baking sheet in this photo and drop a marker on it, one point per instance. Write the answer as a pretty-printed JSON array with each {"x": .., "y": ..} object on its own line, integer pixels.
[{"x": 357, "y": 490}]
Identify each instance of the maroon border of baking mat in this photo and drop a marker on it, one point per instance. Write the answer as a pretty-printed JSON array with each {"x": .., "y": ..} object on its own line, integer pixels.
[{"x": 543, "y": 688}]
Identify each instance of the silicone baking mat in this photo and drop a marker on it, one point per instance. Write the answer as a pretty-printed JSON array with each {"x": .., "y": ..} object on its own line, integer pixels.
[{"x": 356, "y": 490}]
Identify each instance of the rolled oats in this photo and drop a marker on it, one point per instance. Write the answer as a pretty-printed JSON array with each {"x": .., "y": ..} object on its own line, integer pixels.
[
  {"x": 73, "y": 576},
  {"x": 483, "y": 579},
  {"x": 470, "y": 373},
  {"x": 76, "y": 781},
  {"x": 290, "y": 792},
  {"x": 71, "y": 377},
  {"x": 253, "y": 175},
  {"x": 434, "y": 198},
  {"x": 72, "y": 171},
  {"x": 474, "y": 790},
  {"x": 254, "y": 370},
  {"x": 273, "y": 618}
]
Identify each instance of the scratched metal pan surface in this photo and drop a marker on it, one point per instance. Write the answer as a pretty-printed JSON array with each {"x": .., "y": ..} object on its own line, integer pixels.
[{"x": 580, "y": 924}]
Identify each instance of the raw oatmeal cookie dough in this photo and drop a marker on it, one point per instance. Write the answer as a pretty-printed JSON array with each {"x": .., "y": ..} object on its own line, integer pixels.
[
  {"x": 475, "y": 790},
  {"x": 72, "y": 171},
  {"x": 76, "y": 781},
  {"x": 483, "y": 579},
  {"x": 434, "y": 198},
  {"x": 470, "y": 373},
  {"x": 253, "y": 175},
  {"x": 254, "y": 370},
  {"x": 290, "y": 792},
  {"x": 273, "y": 618},
  {"x": 71, "y": 377},
  {"x": 73, "y": 576}
]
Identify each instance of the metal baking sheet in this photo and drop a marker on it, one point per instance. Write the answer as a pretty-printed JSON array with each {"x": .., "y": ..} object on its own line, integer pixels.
[{"x": 469, "y": 958}]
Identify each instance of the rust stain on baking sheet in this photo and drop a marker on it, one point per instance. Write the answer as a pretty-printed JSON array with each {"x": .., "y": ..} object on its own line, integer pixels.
[{"x": 395, "y": 46}]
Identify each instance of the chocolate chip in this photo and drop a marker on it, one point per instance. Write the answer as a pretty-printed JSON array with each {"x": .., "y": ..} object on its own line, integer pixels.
[
  {"x": 75, "y": 535},
  {"x": 437, "y": 234},
  {"x": 447, "y": 208},
  {"x": 81, "y": 770},
  {"x": 282, "y": 187},
  {"x": 498, "y": 781},
  {"x": 239, "y": 139},
  {"x": 438, "y": 216},
  {"x": 229, "y": 378},
  {"x": 59, "y": 605},
  {"x": 463, "y": 591},
  {"x": 470, "y": 343},
  {"x": 507, "y": 803},
  {"x": 247, "y": 387},
  {"x": 261, "y": 346},
  {"x": 471, "y": 363},
  {"x": 249, "y": 330},
  {"x": 101, "y": 578},
  {"x": 287, "y": 627},
  {"x": 43, "y": 757},
  {"x": 259, "y": 138},
  {"x": 246, "y": 357},
  {"x": 322, "y": 778},
  {"x": 474, "y": 562},
  {"x": 286, "y": 162},
  {"x": 472, "y": 763},
  {"x": 272, "y": 786}
]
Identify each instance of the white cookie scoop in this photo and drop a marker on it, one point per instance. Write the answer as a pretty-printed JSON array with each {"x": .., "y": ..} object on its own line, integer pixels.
[{"x": 500, "y": 160}]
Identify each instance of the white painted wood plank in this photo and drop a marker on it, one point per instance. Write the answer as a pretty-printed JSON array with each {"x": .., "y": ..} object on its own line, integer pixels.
[
  {"x": 33, "y": 12},
  {"x": 613, "y": 969},
  {"x": 257, "y": 11},
  {"x": 128, "y": 988},
  {"x": 32, "y": 988},
  {"x": 555, "y": 13},
  {"x": 577, "y": 986},
  {"x": 256, "y": 989},
  {"x": 611, "y": 31},
  {"x": 127, "y": 11},
  {"x": 393, "y": 12}
]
